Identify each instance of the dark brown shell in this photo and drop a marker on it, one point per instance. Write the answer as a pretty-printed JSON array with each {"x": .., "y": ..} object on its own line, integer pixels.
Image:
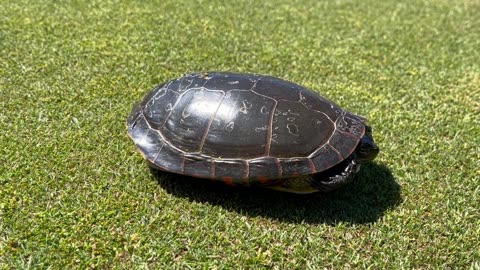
[{"x": 241, "y": 128}]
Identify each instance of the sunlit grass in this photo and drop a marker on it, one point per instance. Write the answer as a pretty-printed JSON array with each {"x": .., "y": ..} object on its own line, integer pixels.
[{"x": 74, "y": 192}]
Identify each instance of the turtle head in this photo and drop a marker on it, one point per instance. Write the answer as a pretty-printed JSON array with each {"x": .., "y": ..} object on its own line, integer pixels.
[{"x": 366, "y": 150}]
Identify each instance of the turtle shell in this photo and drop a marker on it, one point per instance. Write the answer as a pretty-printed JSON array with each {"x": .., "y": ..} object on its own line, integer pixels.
[{"x": 241, "y": 128}]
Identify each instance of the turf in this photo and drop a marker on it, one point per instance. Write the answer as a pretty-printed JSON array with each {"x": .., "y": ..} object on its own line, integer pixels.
[{"x": 74, "y": 193}]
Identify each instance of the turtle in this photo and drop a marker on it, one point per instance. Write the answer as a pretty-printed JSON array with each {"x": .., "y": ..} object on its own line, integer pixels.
[{"x": 250, "y": 130}]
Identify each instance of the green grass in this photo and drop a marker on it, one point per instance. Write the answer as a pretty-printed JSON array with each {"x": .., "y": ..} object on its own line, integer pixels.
[{"x": 74, "y": 193}]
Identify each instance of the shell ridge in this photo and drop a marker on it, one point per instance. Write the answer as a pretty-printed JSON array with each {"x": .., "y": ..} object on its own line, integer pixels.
[
  {"x": 253, "y": 91},
  {"x": 335, "y": 149},
  {"x": 255, "y": 84},
  {"x": 317, "y": 111},
  {"x": 204, "y": 137},
  {"x": 270, "y": 130},
  {"x": 158, "y": 153}
]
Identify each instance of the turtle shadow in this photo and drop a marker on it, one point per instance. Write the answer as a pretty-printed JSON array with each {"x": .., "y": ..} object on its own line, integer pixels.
[{"x": 374, "y": 191}]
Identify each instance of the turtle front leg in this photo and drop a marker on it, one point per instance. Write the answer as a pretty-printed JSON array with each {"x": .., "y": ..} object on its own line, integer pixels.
[
  {"x": 329, "y": 180},
  {"x": 329, "y": 183},
  {"x": 297, "y": 185}
]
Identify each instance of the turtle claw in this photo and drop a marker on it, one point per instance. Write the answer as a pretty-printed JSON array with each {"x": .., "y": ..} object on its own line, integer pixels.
[{"x": 338, "y": 180}]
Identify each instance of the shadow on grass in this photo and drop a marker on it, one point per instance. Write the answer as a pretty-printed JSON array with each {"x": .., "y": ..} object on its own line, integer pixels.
[{"x": 363, "y": 201}]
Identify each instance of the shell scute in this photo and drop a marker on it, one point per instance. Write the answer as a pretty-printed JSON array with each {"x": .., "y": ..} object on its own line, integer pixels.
[
  {"x": 239, "y": 128},
  {"x": 158, "y": 106},
  {"x": 325, "y": 157},
  {"x": 265, "y": 168},
  {"x": 343, "y": 142},
  {"x": 146, "y": 139},
  {"x": 169, "y": 159},
  {"x": 190, "y": 120},
  {"x": 295, "y": 166},
  {"x": 197, "y": 165},
  {"x": 297, "y": 130},
  {"x": 236, "y": 169}
]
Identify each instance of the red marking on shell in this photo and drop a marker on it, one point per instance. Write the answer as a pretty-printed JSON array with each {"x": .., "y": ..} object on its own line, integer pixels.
[
  {"x": 182, "y": 165},
  {"x": 312, "y": 166},
  {"x": 228, "y": 180},
  {"x": 279, "y": 167},
  {"x": 338, "y": 152},
  {"x": 262, "y": 179},
  {"x": 246, "y": 180}
]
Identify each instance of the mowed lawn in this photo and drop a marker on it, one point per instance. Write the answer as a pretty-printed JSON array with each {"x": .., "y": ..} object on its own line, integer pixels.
[{"x": 75, "y": 193}]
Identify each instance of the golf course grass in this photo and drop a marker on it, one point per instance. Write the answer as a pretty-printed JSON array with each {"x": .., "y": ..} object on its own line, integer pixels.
[{"x": 75, "y": 192}]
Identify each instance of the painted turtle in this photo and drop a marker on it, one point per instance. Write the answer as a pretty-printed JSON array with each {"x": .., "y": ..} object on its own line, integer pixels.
[{"x": 249, "y": 129}]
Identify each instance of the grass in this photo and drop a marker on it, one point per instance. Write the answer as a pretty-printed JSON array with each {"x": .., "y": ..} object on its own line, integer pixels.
[{"x": 74, "y": 193}]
